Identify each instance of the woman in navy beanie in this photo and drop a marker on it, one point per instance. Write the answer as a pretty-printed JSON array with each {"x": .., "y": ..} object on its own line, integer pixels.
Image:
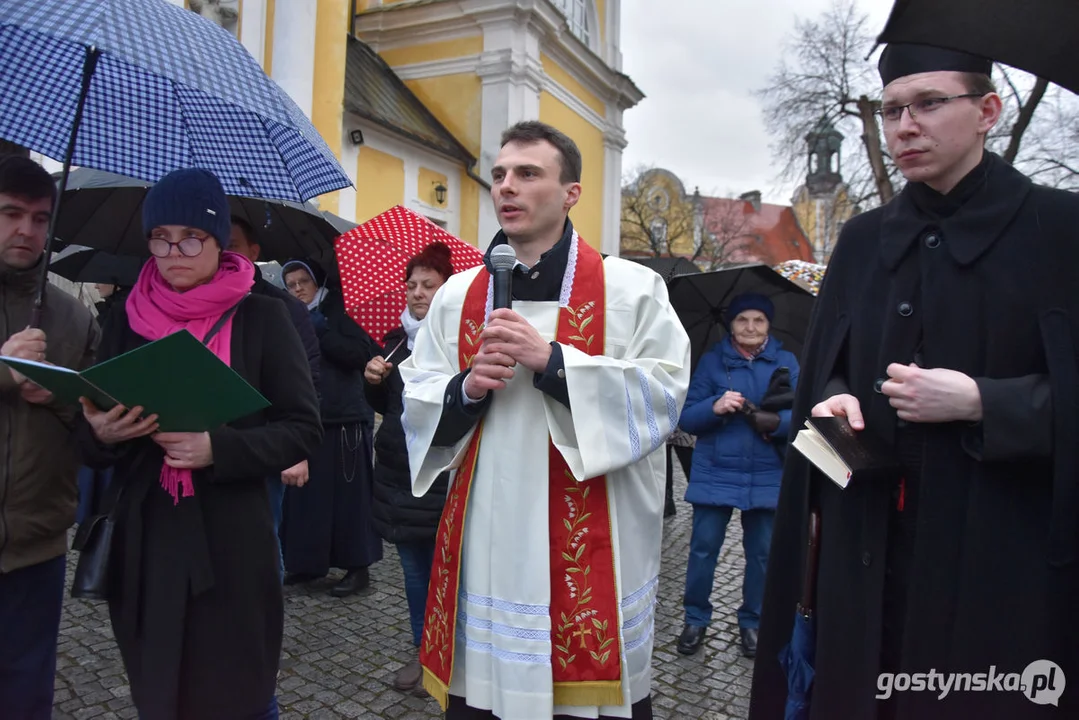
[
  {"x": 194, "y": 590},
  {"x": 735, "y": 462}
]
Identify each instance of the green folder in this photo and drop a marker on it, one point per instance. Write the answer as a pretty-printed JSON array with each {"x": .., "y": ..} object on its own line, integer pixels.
[{"x": 177, "y": 378}]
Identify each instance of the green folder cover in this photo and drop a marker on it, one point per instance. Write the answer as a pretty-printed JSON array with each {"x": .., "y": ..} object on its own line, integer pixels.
[{"x": 177, "y": 377}]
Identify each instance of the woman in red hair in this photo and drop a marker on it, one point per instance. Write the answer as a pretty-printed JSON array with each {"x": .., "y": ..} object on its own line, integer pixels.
[{"x": 408, "y": 522}]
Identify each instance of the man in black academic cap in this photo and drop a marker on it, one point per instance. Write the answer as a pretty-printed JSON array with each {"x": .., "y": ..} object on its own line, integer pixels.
[{"x": 945, "y": 327}]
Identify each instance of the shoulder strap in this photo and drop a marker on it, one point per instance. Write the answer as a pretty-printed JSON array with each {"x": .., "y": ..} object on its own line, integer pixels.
[{"x": 225, "y": 317}]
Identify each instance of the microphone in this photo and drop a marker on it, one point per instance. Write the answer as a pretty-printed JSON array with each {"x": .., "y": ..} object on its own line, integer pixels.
[{"x": 503, "y": 260}]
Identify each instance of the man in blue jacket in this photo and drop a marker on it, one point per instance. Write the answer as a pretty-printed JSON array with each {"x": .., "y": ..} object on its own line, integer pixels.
[{"x": 736, "y": 464}]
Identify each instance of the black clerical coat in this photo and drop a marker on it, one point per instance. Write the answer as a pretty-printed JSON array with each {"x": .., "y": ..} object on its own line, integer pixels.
[{"x": 982, "y": 281}]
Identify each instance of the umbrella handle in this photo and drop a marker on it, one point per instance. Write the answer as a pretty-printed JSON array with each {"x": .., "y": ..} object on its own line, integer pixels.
[
  {"x": 88, "y": 67},
  {"x": 809, "y": 585}
]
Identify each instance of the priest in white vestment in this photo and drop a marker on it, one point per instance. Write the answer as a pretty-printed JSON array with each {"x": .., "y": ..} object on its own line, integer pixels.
[{"x": 551, "y": 414}]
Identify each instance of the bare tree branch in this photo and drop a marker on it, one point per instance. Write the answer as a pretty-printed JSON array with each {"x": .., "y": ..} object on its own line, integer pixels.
[
  {"x": 659, "y": 219},
  {"x": 1026, "y": 114},
  {"x": 824, "y": 75},
  {"x": 655, "y": 215}
]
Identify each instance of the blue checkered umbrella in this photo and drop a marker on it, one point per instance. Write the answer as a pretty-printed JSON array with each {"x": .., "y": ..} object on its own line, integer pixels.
[
  {"x": 169, "y": 89},
  {"x": 143, "y": 87}
]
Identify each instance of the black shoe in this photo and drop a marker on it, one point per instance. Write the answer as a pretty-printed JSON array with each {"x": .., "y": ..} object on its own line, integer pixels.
[
  {"x": 353, "y": 582},
  {"x": 301, "y": 578},
  {"x": 690, "y": 640},
  {"x": 749, "y": 642},
  {"x": 409, "y": 677}
]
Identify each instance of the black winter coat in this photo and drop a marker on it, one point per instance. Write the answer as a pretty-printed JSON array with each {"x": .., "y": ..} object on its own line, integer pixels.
[
  {"x": 301, "y": 320},
  {"x": 195, "y": 595},
  {"x": 987, "y": 555},
  {"x": 399, "y": 516},
  {"x": 346, "y": 349}
]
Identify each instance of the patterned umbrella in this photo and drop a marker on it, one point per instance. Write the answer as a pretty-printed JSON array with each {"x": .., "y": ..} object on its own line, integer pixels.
[
  {"x": 372, "y": 260},
  {"x": 152, "y": 87},
  {"x": 143, "y": 87},
  {"x": 808, "y": 275}
]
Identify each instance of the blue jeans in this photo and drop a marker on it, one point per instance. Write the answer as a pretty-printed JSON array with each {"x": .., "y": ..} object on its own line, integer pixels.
[
  {"x": 709, "y": 530},
  {"x": 30, "y": 602},
  {"x": 416, "y": 561},
  {"x": 276, "y": 490}
]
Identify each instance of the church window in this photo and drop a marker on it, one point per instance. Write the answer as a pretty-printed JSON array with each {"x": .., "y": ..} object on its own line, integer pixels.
[
  {"x": 577, "y": 14},
  {"x": 659, "y": 232}
]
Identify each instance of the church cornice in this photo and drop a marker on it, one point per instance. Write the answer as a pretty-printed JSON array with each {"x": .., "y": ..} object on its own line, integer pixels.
[
  {"x": 456, "y": 19},
  {"x": 505, "y": 66}
]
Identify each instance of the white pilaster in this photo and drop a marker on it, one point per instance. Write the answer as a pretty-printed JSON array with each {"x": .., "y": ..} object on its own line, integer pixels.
[
  {"x": 614, "y": 142},
  {"x": 614, "y": 34},
  {"x": 294, "y": 50},
  {"x": 412, "y": 179},
  {"x": 512, "y": 78},
  {"x": 253, "y": 27}
]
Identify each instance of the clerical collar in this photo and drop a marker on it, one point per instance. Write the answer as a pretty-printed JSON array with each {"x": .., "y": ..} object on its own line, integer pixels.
[
  {"x": 543, "y": 281},
  {"x": 940, "y": 206}
]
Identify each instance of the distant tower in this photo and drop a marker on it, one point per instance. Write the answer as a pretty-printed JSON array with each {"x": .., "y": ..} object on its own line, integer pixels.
[
  {"x": 824, "y": 145},
  {"x": 822, "y": 204}
]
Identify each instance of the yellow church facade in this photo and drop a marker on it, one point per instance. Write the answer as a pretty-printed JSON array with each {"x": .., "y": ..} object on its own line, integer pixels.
[{"x": 413, "y": 95}]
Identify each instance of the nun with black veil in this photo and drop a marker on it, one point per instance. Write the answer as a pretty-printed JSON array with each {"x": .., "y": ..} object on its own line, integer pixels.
[{"x": 327, "y": 520}]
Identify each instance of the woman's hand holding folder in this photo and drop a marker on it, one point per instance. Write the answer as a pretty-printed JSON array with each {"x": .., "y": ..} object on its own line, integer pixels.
[{"x": 119, "y": 424}]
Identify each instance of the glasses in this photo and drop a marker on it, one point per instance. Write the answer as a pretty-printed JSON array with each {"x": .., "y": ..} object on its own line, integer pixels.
[
  {"x": 924, "y": 106},
  {"x": 190, "y": 246},
  {"x": 300, "y": 283}
]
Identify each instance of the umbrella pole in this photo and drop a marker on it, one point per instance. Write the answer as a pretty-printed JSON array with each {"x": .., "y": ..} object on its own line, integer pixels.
[{"x": 88, "y": 67}]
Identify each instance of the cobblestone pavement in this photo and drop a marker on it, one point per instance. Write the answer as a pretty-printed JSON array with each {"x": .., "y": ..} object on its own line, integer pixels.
[{"x": 340, "y": 656}]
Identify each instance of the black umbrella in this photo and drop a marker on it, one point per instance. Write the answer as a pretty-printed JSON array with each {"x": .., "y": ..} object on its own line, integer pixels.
[
  {"x": 702, "y": 299},
  {"x": 668, "y": 267},
  {"x": 1039, "y": 37},
  {"x": 88, "y": 265},
  {"x": 103, "y": 210}
]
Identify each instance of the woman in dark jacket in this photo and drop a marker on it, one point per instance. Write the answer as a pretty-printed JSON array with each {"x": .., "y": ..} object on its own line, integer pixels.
[
  {"x": 327, "y": 522},
  {"x": 400, "y": 518},
  {"x": 195, "y": 595},
  {"x": 737, "y": 462}
]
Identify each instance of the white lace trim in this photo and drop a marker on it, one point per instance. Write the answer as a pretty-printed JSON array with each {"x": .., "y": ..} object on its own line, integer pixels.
[
  {"x": 489, "y": 308},
  {"x": 571, "y": 270},
  {"x": 567, "y": 281}
]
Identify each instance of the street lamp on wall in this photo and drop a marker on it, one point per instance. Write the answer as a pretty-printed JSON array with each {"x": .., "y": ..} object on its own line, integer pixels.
[
  {"x": 440, "y": 193},
  {"x": 357, "y": 137}
]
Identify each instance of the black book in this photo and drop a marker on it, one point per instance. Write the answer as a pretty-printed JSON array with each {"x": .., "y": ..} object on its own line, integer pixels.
[{"x": 841, "y": 452}]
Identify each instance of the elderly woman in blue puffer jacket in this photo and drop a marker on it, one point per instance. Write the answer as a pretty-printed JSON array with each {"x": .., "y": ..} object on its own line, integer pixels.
[{"x": 737, "y": 462}]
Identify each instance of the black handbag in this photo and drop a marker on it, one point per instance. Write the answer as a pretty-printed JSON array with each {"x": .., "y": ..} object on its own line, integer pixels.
[{"x": 93, "y": 539}]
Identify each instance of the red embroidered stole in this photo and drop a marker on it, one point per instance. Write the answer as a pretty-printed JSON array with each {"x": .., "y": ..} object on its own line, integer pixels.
[{"x": 586, "y": 660}]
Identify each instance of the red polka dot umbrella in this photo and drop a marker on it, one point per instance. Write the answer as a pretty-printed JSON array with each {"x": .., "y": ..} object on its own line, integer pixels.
[{"x": 372, "y": 259}]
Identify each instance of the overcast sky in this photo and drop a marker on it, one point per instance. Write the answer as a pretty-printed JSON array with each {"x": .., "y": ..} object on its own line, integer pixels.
[{"x": 698, "y": 63}]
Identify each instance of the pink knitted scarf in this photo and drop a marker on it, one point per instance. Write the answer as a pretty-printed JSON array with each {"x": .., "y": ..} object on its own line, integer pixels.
[{"x": 155, "y": 310}]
